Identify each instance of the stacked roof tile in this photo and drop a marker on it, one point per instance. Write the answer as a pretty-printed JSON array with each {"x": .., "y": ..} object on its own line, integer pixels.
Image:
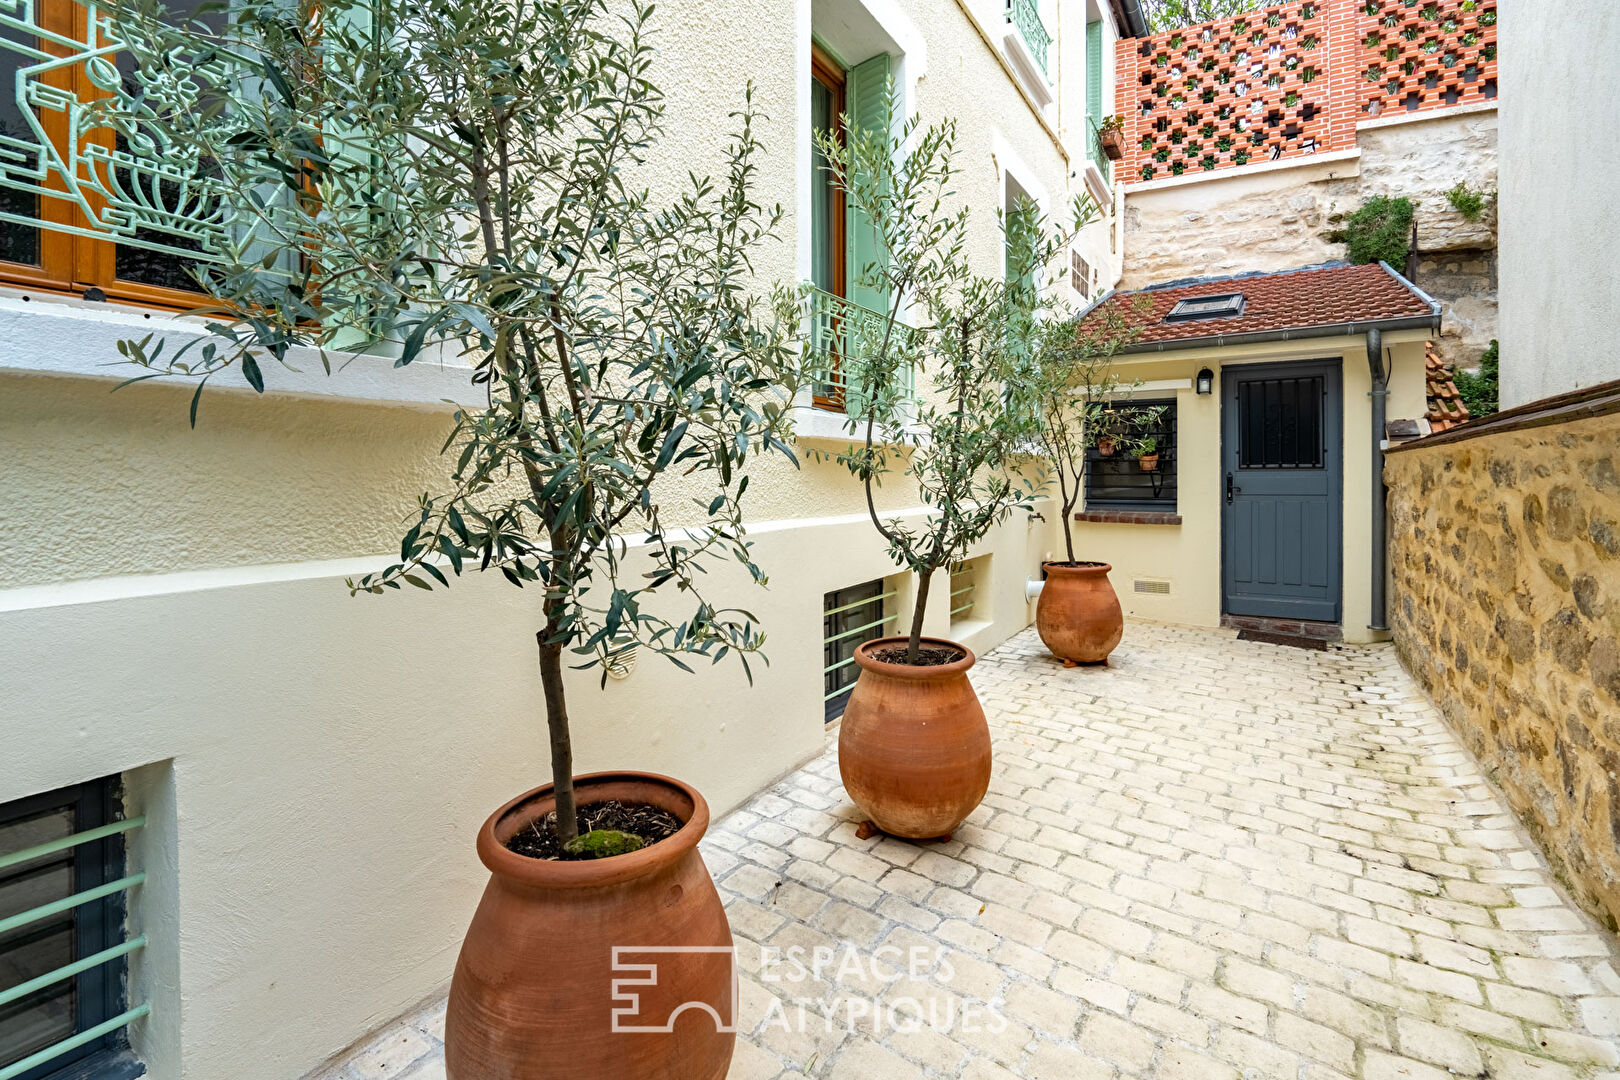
[{"x": 1446, "y": 408}]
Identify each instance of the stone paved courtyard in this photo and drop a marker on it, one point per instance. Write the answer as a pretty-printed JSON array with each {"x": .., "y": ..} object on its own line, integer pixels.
[{"x": 1211, "y": 859}]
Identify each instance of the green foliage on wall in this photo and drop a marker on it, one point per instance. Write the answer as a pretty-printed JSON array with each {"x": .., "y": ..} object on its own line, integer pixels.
[
  {"x": 1380, "y": 231},
  {"x": 1479, "y": 389},
  {"x": 1170, "y": 14},
  {"x": 1468, "y": 202}
]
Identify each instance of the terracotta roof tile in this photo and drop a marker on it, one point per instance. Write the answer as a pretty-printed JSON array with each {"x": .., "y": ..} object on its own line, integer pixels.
[
  {"x": 1329, "y": 295},
  {"x": 1446, "y": 408}
]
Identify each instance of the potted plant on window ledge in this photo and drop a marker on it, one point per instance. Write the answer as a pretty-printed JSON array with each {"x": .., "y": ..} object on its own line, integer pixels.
[
  {"x": 1147, "y": 454},
  {"x": 913, "y": 746},
  {"x": 1075, "y": 390},
  {"x": 1111, "y": 137},
  {"x": 445, "y": 198}
]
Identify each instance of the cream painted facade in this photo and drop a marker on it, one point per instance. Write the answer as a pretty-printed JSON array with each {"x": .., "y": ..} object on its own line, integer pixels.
[
  {"x": 313, "y": 766},
  {"x": 1187, "y": 556},
  {"x": 1559, "y": 327}
]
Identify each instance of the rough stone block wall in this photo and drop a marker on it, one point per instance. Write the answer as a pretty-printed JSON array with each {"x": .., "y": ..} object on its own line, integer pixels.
[{"x": 1505, "y": 606}]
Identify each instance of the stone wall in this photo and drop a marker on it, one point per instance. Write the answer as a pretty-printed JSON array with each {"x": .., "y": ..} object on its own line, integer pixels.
[
  {"x": 1505, "y": 605},
  {"x": 1236, "y": 222}
]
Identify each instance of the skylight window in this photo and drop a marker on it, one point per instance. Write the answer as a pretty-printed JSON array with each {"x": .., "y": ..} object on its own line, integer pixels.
[{"x": 1221, "y": 306}]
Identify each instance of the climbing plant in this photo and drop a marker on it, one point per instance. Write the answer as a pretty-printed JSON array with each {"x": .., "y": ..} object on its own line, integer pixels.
[
  {"x": 1381, "y": 231},
  {"x": 1480, "y": 389}
]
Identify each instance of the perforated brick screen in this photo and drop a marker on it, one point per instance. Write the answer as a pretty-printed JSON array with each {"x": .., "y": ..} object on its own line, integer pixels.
[{"x": 1294, "y": 79}]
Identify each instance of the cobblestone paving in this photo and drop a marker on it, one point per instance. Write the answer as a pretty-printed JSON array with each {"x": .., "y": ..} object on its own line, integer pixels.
[{"x": 1211, "y": 859}]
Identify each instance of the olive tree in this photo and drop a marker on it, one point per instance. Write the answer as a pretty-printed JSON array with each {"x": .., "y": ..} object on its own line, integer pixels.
[
  {"x": 465, "y": 179},
  {"x": 968, "y": 343}
]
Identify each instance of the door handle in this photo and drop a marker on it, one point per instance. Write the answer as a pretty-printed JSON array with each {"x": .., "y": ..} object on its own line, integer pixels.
[{"x": 1230, "y": 490}]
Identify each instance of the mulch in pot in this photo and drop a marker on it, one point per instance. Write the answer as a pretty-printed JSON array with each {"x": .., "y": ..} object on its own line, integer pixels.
[
  {"x": 927, "y": 656},
  {"x": 648, "y": 823}
]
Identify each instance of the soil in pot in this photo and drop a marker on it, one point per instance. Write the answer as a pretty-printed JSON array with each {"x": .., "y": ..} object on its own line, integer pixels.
[
  {"x": 926, "y": 656},
  {"x": 645, "y": 823}
]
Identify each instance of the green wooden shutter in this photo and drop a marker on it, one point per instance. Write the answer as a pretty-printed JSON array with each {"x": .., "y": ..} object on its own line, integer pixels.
[
  {"x": 866, "y": 95},
  {"x": 1094, "y": 73}
]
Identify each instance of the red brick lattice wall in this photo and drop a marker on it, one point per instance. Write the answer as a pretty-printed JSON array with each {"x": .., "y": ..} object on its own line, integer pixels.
[
  {"x": 1293, "y": 79},
  {"x": 1425, "y": 54}
]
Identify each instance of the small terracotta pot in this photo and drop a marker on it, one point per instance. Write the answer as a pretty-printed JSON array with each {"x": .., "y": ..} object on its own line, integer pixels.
[
  {"x": 913, "y": 747},
  {"x": 1105, "y": 447},
  {"x": 1078, "y": 615},
  {"x": 1148, "y": 462},
  {"x": 533, "y": 995}
]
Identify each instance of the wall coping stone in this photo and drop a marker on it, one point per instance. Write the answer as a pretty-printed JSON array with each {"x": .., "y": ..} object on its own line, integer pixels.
[
  {"x": 1128, "y": 517},
  {"x": 1584, "y": 404}
]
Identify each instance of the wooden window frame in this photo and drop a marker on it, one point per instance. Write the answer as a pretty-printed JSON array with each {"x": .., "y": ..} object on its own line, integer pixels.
[
  {"x": 70, "y": 264},
  {"x": 832, "y": 76}
]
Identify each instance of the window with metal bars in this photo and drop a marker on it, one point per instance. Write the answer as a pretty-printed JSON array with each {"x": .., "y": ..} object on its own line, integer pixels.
[
  {"x": 850, "y": 618},
  {"x": 1121, "y": 480},
  {"x": 63, "y": 947}
]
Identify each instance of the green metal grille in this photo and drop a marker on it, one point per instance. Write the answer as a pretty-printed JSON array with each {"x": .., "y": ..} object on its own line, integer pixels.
[
  {"x": 1024, "y": 15},
  {"x": 961, "y": 590},
  {"x": 122, "y": 178},
  {"x": 82, "y": 965},
  {"x": 1094, "y": 150}
]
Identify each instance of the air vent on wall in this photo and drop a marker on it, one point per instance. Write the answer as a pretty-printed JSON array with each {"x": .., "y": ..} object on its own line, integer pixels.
[{"x": 1161, "y": 588}]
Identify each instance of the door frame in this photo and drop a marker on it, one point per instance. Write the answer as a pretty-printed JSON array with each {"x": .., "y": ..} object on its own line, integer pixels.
[{"x": 1335, "y": 364}]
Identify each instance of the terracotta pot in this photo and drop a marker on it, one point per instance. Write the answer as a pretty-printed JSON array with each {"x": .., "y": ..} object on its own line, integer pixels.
[
  {"x": 1148, "y": 462},
  {"x": 533, "y": 996},
  {"x": 1078, "y": 615},
  {"x": 913, "y": 747},
  {"x": 1113, "y": 143},
  {"x": 1105, "y": 447}
]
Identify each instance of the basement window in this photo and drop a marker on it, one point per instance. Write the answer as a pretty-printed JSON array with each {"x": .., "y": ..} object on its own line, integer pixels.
[
  {"x": 1223, "y": 306},
  {"x": 850, "y": 618},
  {"x": 63, "y": 949}
]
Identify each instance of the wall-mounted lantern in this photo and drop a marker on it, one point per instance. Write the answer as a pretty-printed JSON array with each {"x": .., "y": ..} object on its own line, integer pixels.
[{"x": 1206, "y": 381}]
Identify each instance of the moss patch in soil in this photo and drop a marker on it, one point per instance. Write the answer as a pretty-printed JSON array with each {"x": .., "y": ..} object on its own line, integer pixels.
[
  {"x": 645, "y": 822},
  {"x": 927, "y": 656}
]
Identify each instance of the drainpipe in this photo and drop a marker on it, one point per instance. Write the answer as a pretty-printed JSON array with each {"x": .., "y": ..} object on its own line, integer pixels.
[{"x": 1379, "y": 395}]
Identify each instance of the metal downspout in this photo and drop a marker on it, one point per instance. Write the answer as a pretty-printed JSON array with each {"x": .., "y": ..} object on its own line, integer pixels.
[{"x": 1380, "y": 548}]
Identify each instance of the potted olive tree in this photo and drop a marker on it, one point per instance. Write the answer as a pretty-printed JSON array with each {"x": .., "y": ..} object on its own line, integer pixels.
[
  {"x": 1076, "y": 392},
  {"x": 913, "y": 746},
  {"x": 459, "y": 178}
]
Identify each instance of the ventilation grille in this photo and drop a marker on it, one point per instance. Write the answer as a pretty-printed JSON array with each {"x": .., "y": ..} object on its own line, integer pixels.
[{"x": 1160, "y": 588}]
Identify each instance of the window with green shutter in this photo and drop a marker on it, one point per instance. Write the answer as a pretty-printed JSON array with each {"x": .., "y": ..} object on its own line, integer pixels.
[
  {"x": 1094, "y": 76},
  {"x": 867, "y": 102}
]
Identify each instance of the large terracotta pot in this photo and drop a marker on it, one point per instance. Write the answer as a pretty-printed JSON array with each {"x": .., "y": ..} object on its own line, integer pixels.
[
  {"x": 1078, "y": 615},
  {"x": 533, "y": 993},
  {"x": 913, "y": 747}
]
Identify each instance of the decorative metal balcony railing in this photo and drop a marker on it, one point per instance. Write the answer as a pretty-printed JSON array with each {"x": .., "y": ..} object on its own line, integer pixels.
[
  {"x": 1027, "y": 18},
  {"x": 1094, "y": 150},
  {"x": 79, "y": 138},
  {"x": 838, "y": 331}
]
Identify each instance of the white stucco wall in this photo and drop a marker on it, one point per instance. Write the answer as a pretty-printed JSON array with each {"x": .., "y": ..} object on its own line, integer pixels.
[
  {"x": 1560, "y": 74},
  {"x": 314, "y": 766}
]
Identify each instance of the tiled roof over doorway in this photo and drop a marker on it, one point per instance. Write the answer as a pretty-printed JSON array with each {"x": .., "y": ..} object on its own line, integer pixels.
[{"x": 1332, "y": 294}]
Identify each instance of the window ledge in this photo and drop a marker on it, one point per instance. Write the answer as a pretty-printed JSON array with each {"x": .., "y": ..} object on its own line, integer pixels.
[
  {"x": 68, "y": 336},
  {"x": 813, "y": 423},
  {"x": 1129, "y": 517}
]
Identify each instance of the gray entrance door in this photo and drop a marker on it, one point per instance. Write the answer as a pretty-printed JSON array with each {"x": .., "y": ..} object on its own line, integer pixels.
[{"x": 1282, "y": 450}]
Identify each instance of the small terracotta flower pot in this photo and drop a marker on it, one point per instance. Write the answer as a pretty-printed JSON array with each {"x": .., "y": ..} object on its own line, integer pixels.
[
  {"x": 1105, "y": 447},
  {"x": 1113, "y": 143},
  {"x": 913, "y": 747},
  {"x": 1148, "y": 462},
  {"x": 1078, "y": 615},
  {"x": 533, "y": 993}
]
